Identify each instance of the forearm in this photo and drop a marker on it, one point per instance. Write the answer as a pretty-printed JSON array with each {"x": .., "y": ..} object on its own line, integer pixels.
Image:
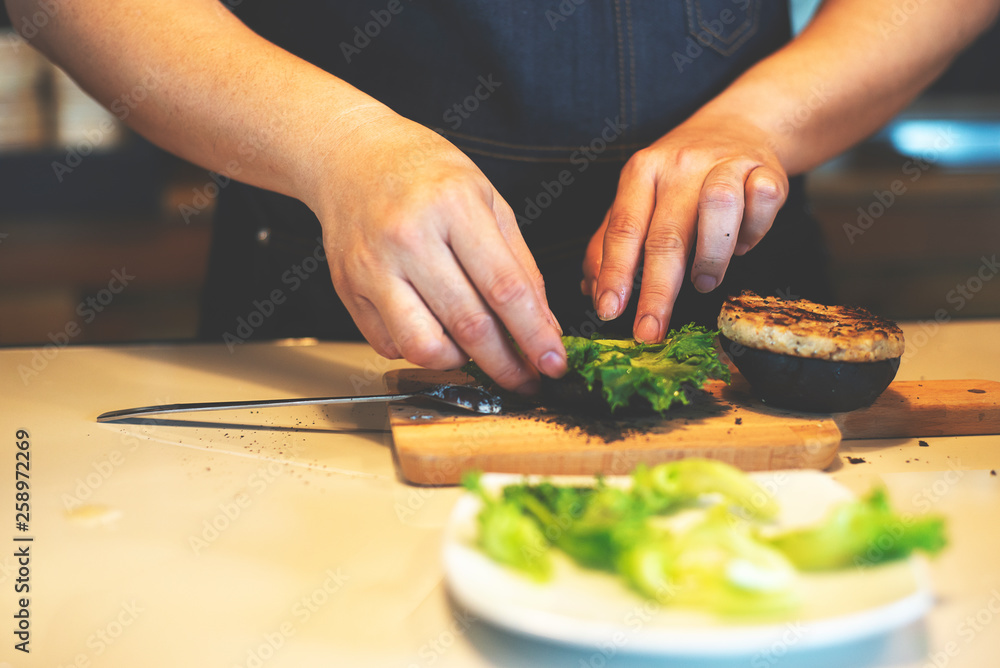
[
  {"x": 854, "y": 67},
  {"x": 423, "y": 252},
  {"x": 192, "y": 78},
  {"x": 715, "y": 183}
]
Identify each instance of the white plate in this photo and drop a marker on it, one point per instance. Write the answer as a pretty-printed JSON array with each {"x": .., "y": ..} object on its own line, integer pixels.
[{"x": 595, "y": 610}]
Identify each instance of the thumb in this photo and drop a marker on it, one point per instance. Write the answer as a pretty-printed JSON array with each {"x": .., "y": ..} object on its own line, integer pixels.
[{"x": 507, "y": 223}]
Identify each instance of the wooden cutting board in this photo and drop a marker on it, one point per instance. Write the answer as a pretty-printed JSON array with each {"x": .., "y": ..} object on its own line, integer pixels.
[{"x": 435, "y": 446}]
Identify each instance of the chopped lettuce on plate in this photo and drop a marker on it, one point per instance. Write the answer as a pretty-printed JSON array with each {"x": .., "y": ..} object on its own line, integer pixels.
[
  {"x": 865, "y": 532},
  {"x": 691, "y": 533}
]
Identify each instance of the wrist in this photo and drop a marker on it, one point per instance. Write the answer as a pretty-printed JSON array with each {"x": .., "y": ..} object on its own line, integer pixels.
[{"x": 334, "y": 147}]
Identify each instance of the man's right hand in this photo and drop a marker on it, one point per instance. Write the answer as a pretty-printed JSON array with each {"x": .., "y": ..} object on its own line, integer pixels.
[{"x": 427, "y": 256}]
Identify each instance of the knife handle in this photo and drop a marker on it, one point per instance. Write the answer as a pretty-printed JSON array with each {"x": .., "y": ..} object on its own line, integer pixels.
[{"x": 912, "y": 408}]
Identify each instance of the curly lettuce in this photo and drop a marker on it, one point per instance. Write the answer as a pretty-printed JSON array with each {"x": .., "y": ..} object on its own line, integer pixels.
[
  {"x": 625, "y": 372},
  {"x": 660, "y": 374}
]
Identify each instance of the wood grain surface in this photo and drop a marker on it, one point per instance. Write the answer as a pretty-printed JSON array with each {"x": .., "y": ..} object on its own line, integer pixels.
[
  {"x": 435, "y": 446},
  {"x": 917, "y": 408}
]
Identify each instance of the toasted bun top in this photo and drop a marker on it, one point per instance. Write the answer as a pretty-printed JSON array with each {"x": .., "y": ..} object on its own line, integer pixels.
[{"x": 802, "y": 328}]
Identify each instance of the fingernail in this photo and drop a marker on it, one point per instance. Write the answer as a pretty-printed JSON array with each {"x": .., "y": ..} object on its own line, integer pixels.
[
  {"x": 742, "y": 248},
  {"x": 555, "y": 322},
  {"x": 552, "y": 364},
  {"x": 607, "y": 307},
  {"x": 531, "y": 387},
  {"x": 648, "y": 329},
  {"x": 705, "y": 283}
]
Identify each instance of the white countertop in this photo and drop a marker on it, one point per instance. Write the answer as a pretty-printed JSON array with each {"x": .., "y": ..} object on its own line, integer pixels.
[{"x": 284, "y": 537}]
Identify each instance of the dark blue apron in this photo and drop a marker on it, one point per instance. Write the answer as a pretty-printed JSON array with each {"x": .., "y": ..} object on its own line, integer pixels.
[{"x": 549, "y": 98}]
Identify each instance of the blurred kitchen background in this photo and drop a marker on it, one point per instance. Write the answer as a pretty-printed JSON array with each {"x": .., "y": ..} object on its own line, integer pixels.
[{"x": 81, "y": 196}]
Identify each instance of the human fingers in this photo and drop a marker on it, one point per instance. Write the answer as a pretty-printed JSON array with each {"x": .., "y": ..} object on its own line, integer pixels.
[
  {"x": 592, "y": 258},
  {"x": 509, "y": 293},
  {"x": 370, "y": 323},
  {"x": 628, "y": 223},
  {"x": 507, "y": 223},
  {"x": 391, "y": 315},
  {"x": 413, "y": 329},
  {"x": 671, "y": 233},
  {"x": 720, "y": 210},
  {"x": 467, "y": 320},
  {"x": 766, "y": 190}
]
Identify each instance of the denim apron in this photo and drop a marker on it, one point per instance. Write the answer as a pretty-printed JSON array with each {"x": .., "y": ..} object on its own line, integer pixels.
[{"x": 548, "y": 97}]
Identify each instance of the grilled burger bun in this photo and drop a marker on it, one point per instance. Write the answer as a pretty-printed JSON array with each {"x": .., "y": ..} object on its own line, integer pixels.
[{"x": 809, "y": 357}]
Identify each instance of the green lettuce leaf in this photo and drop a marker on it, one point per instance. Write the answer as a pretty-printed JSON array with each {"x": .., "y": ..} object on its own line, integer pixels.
[
  {"x": 510, "y": 536},
  {"x": 716, "y": 557},
  {"x": 715, "y": 565},
  {"x": 684, "y": 482},
  {"x": 861, "y": 533},
  {"x": 659, "y": 374}
]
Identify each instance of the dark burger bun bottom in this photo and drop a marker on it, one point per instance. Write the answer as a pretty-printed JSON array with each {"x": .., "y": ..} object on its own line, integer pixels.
[{"x": 808, "y": 384}]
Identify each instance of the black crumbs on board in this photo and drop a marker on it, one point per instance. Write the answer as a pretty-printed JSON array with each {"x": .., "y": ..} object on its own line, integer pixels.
[
  {"x": 857, "y": 460},
  {"x": 978, "y": 391},
  {"x": 923, "y": 444},
  {"x": 574, "y": 408}
]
